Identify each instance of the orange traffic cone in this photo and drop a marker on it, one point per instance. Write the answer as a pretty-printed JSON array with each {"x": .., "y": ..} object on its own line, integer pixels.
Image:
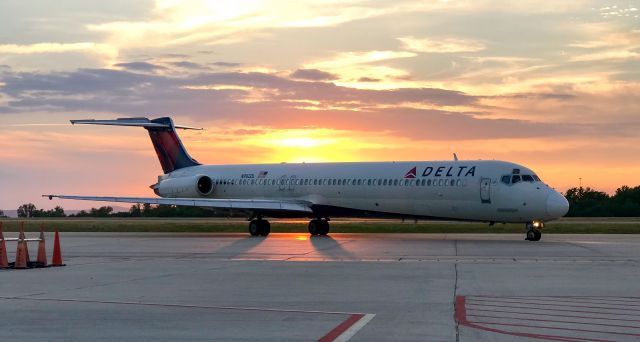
[
  {"x": 22, "y": 252},
  {"x": 4, "y": 261},
  {"x": 57, "y": 253},
  {"x": 42, "y": 253}
]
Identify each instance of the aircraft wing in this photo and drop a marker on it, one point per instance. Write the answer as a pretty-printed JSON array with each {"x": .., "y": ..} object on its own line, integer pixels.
[{"x": 248, "y": 204}]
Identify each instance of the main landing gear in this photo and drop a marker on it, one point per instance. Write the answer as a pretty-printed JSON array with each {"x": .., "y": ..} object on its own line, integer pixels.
[
  {"x": 259, "y": 227},
  {"x": 319, "y": 227},
  {"x": 533, "y": 231},
  {"x": 262, "y": 227}
]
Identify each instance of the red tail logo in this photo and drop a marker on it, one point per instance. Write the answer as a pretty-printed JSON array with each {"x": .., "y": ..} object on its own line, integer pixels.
[{"x": 411, "y": 173}]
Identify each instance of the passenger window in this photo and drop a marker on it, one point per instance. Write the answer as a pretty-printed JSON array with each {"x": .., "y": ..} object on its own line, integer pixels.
[
  {"x": 453, "y": 182},
  {"x": 458, "y": 183},
  {"x": 395, "y": 182},
  {"x": 515, "y": 179},
  {"x": 384, "y": 182},
  {"x": 429, "y": 182},
  {"x": 369, "y": 182},
  {"x": 527, "y": 178},
  {"x": 505, "y": 179}
]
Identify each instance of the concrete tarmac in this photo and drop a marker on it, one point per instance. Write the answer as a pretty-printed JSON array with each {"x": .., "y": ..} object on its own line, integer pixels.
[{"x": 358, "y": 287}]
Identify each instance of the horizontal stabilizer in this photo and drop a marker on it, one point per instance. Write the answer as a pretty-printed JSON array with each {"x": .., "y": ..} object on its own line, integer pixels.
[
  {"x": 271, "y": 205},
  {"x": 133, "y": 122}
]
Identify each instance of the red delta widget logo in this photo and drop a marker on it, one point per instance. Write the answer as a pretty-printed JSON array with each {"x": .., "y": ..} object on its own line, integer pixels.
[{"x": 411, "y": 174}]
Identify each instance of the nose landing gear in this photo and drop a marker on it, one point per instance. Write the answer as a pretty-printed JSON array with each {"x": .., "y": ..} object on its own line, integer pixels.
[{"x": 533, "y": 231}]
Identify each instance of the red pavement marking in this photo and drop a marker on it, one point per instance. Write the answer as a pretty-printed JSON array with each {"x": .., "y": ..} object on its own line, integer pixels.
[
  {"x": 552, "y": 321},
  {"x": 580, "y": 298},
  {"x": 611, "y": 298},
  {"x": 555, "y": 328},
  {"x": 341, "y": 328},
  {"x": 558, "y": 310},
  {"x": 558, "y": 300},
  {"x": 461, "y": 318},
  {"x": 548, "y": 304},
  {"x": 552, "y": 315}
]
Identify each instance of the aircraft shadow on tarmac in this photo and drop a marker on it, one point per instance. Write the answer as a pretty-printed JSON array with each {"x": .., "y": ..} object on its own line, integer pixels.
[
  {"x": 239, "y": 246},
  {"x": 329, "y": 247}
]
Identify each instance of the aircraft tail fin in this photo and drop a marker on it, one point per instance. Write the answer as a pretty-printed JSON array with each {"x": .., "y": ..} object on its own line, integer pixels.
[{"x": 162, "y": 131}]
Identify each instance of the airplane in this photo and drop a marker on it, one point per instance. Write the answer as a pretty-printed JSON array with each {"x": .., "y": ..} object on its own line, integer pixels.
[{"x": 461, "y": 190}]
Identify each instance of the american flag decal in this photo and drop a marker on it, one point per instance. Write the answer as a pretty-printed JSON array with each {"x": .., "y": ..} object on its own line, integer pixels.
[{"x": 262, "y": 174}]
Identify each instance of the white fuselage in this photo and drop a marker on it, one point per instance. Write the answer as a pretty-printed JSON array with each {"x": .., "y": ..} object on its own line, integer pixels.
[{"x": 455, "y": 190}]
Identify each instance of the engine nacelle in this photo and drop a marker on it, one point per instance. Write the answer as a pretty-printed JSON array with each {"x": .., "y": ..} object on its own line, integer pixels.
[{"x": 194, "y": 186}]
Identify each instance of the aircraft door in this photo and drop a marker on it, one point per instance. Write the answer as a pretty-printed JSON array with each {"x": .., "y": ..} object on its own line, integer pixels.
[
  {"x": 485, "y": 190},
  {"x": 292, "y": 182}
]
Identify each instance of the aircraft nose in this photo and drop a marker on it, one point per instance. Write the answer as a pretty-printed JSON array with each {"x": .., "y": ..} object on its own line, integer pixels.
[{"x": 557, "y": 205}]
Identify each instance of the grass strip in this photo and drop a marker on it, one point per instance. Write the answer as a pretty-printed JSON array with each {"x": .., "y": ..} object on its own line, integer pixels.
[{"x": 568, "y": 226}]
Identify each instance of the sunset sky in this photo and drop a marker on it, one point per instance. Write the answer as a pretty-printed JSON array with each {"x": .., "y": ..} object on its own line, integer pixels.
[{"x": 553, "y": 85}]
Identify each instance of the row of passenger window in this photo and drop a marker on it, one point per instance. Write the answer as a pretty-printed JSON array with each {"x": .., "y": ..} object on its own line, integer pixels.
[{"x": 343, "y": 182}]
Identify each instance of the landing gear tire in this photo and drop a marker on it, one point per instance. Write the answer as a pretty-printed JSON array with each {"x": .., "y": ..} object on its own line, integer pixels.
[
  {"x": 324, "y": 227},
  {"x": 254, "y": 228},
  {"x": 259, "y": 227},
  {"x": 533, "y": 230},
  {"x": 265, "y": 227},
  {"x": 318, "y": 227},
  {"x": 533, "y": 235}
]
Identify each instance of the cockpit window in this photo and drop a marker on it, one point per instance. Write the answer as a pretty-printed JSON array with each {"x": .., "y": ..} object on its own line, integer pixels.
[
  {"x": 527, "y": 178},
  {"x": 505, "y": 179},
  {"x": 515, "y": 179},
  {"x": 536, "y": 178}
]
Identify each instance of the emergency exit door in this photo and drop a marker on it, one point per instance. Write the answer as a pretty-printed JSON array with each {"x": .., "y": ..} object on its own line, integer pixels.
[{"x": 485, "y": 190}]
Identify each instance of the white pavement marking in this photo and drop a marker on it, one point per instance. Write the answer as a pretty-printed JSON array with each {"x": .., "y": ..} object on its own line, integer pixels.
[
  {"x": 189, "y": 306},
  {"x": 349, "y": 333}
]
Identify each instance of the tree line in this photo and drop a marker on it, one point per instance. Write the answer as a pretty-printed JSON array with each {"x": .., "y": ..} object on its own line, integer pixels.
[
  {"x": 587, "y": 202},
  {"x": 583, "y": 202}
]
